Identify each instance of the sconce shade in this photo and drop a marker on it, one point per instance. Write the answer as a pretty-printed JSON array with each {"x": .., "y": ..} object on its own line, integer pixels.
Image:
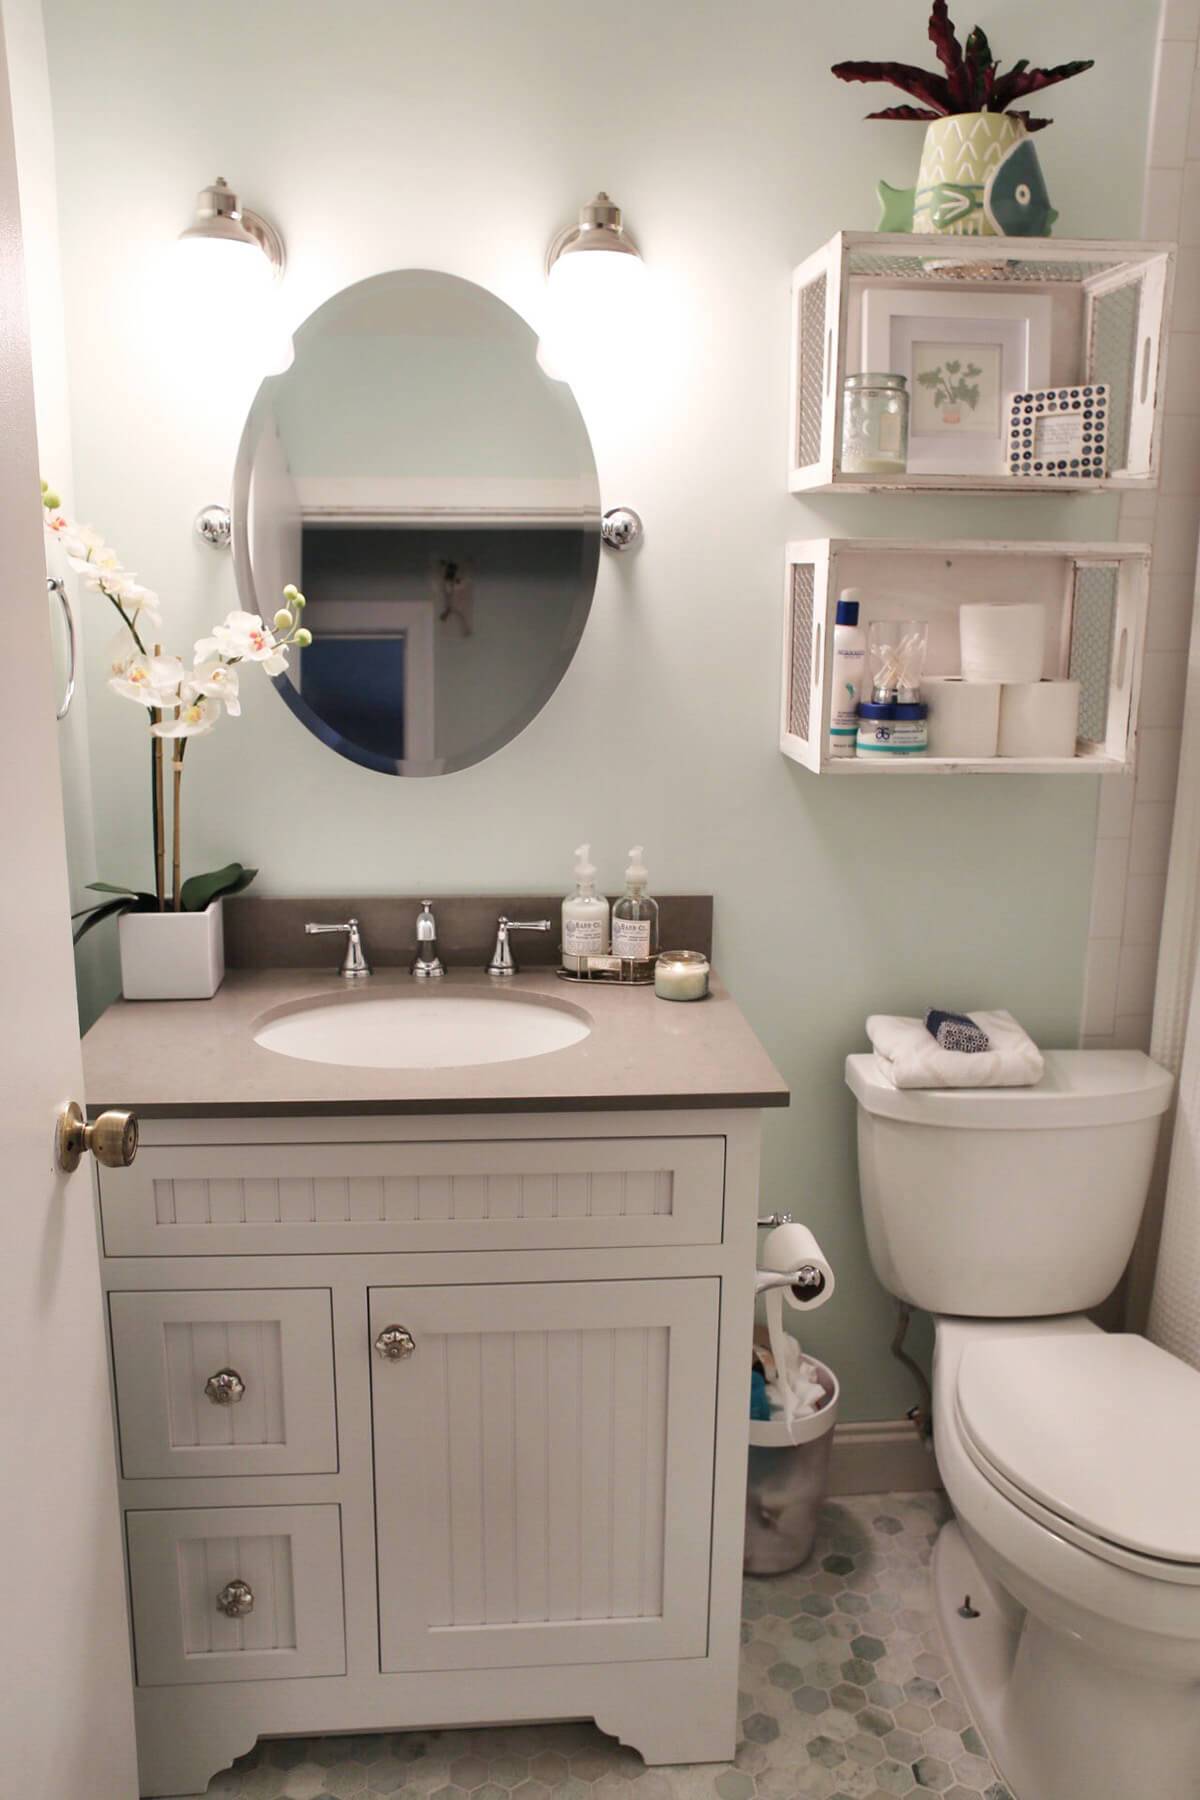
[
  {"x": 230, "y": 260},
  {"x": 594, "y": 294}
]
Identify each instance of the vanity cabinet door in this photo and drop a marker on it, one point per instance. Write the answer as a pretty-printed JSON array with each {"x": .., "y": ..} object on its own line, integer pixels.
[{"x": 543, "y": 1467}]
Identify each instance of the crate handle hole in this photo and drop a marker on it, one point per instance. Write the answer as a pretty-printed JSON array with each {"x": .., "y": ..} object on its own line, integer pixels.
[
  {"x": 1122, "y": 655},
  {"x": 816, "y": 671},
  {"x": 1145, "y": 383},
  {"x": 829, "y": 362}
]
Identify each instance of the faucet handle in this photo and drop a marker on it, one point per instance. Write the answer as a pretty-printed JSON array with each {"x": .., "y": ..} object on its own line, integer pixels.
[
  {"x": 502, "y": 962},
  {"x": 354, "y": 963}
]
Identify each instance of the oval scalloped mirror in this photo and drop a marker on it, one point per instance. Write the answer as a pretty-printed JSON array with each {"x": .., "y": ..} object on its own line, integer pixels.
[{"x": 434, "y": 495}]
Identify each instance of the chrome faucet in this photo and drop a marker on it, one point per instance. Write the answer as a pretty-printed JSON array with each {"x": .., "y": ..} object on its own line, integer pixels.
[
  {"x": 354, "y": 963},
  {"x": 426, "y": 964},
  {"x": 502, "y": 957}
]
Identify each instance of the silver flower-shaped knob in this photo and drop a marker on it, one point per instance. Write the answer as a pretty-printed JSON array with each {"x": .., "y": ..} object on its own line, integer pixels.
[
  {"x": 395, "y": 1342},
  {"x": 235, "y": 1600},
  {"x": 225, "y": 1388}
]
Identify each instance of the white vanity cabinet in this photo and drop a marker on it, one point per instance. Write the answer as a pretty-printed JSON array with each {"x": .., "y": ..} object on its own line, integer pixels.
[{"x": 431, "y": 1421}]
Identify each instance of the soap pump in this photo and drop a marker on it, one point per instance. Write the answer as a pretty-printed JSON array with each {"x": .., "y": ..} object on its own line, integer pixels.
[
  {"x": 635, "y": 922},
  {"x": 584, "y": 916}
]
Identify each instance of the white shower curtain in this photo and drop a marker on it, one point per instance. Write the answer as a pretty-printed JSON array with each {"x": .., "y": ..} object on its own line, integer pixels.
[{"x": 1175, "y": 1306}]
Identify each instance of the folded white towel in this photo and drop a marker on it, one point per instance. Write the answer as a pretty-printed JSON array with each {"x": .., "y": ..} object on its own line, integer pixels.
[{"x": 912, "y": 1058}]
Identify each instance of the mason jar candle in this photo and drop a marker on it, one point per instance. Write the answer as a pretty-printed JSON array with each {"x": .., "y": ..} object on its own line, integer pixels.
[
  {"x": 875, "y": 424},
  {"x": 681, "y": 975}
]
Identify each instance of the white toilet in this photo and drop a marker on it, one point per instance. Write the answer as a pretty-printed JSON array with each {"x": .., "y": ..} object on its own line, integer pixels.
[{"x": 1071, "y": 1456}]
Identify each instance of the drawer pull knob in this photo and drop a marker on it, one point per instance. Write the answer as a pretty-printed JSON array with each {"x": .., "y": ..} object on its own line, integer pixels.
[
  {"x": 225, "y": 1388},
  {"x": 235, "y": 1600},
  {"x": 395, "y": 1342}
]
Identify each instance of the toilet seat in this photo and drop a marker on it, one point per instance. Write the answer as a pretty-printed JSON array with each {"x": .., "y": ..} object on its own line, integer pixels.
[{"x": 1095, "y": 1436}]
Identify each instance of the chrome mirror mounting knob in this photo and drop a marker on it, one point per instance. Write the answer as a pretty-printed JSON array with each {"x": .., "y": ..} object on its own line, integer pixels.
[
  {"x": 112, "y": 1138},
  {"x": 503, "y": 962},
  {"x": 225, "y": 1388},
  {"x": 395, "y": 1343},
  {"x": 354, "y": 963},
  {"x": 235, "y": 1600}
]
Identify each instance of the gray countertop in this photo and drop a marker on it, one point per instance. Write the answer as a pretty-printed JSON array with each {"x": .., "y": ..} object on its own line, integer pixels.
[{"x": 198, "y": 1058}]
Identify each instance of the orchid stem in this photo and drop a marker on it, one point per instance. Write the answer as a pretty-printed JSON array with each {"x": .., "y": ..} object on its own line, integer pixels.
[
  {"x": 176, "y": 797},
  {"x": 157, "y": 798}
]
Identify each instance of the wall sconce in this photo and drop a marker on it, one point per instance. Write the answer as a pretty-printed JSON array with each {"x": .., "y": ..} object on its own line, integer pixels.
[
  {"x": 231, "y": 260},
  {"x": 595, "y": 280}
]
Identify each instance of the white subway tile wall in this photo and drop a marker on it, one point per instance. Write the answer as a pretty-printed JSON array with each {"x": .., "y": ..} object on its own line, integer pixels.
[{"x": 1134, "y": 823}]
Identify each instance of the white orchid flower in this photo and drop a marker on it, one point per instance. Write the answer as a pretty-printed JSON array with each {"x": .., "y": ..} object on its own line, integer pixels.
[
  {"x": 152, "y": 681},
  {"x": 243, "y": 638},
  {"x": 195, "y": 718},
  {"x": 217, "y": 681}
]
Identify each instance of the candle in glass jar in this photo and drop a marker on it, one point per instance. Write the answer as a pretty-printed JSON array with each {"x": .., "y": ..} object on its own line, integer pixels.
[{"x": 681, "y": 975}]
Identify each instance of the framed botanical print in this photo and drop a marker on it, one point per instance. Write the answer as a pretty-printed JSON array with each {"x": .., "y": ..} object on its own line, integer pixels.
[{"x": 962, "y": 356}]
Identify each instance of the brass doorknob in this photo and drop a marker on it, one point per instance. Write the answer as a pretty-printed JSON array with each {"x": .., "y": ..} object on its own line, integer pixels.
[
  {"x": 395, "y": 1342},
  {"x": 112, "y": 1138}
]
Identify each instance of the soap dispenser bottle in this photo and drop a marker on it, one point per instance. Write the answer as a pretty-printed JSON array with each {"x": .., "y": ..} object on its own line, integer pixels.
[
  {"x": 584, "y": 916},
  {"x": 635, "y": 923}
]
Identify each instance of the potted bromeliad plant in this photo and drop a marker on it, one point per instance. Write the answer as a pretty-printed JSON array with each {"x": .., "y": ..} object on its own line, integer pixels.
[
  {"x": 172, "y": 940},
  {"x": 979, "y": 173}
]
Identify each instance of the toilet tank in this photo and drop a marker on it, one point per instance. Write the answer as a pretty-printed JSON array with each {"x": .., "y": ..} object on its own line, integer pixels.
[{"x": 1008, "y": 1202}]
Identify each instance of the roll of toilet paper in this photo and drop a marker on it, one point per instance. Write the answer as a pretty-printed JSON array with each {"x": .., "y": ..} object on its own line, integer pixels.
[
  {"x": 1002, "y": 643},
  {"x": 964, "y": 716},
  {"x": 1039, "y": 718},
  {"x": 793, "y": 1250}
]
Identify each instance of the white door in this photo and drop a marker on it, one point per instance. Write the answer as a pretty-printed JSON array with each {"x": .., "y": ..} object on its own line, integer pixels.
[
  {"x": 543, "y": 1472},
  {"x": 66, "y": 1701}
]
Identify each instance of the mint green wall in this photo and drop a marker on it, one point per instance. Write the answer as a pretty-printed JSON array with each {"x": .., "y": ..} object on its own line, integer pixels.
[{"x": 460, "y": 136}]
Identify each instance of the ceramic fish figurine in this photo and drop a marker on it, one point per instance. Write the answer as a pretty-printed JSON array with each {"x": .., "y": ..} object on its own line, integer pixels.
[{"x": 1013, "y": 202}]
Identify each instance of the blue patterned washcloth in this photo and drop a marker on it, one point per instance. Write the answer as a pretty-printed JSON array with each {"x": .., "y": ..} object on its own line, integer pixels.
[{"x": 954, "y": 1031}]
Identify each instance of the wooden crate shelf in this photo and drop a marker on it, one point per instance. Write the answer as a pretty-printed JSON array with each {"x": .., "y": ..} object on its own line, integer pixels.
[
  {"x": 1108, "y": 313},
  {"x": 1095, "y": 596}
]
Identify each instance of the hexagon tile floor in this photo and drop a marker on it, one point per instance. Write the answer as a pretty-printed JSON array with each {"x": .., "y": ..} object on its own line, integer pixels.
[{"x": 845, "y": 1696}]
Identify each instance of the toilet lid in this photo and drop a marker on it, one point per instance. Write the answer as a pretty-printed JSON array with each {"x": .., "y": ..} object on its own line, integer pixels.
[{"x": 1102, "y": 1431}]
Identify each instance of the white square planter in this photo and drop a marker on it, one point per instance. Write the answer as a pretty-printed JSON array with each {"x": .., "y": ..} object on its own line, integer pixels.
[{"x": 172, "y": 955}]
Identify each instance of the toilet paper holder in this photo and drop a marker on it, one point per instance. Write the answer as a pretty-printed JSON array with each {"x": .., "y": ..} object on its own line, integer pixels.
[{"x": 807, "y": 1279}]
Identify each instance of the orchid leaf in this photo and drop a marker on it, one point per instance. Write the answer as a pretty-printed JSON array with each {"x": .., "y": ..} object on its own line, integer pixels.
[
  {"x": 944, "y": 39},
  {"x": 905, "y": 112},
  {"x": 146, "y": 902},
  {"x": 199, "y": 891},
  {"x": 95, "y": 914},
  {"x": 932, "y": 89}
]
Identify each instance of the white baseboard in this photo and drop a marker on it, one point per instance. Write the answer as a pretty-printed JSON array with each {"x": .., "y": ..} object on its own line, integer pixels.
[{"x": 881, "y": 1456}]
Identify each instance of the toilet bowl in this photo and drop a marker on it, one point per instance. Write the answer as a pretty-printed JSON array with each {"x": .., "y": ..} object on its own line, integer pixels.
[{"x": 1068, "y": 1583}]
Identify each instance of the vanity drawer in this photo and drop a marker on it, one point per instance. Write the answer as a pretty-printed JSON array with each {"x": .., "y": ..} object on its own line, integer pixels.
[
  {"x": 182, "y": 1566},
  {"x": 566, "y": 1193},
  {"x": 215, "y": 1383}
]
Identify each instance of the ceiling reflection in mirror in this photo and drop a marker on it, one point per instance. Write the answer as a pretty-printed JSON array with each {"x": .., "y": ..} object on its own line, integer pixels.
[{"x": 433, "y": 493}]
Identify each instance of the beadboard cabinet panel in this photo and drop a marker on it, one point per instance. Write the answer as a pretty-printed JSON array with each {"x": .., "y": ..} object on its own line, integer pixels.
[
  {"x": 263, "y": 1199},
  {"x": 290, "y": 1558},
  {"x": 543, "y": 1468},
  {"x": 277, "y": 1343}
]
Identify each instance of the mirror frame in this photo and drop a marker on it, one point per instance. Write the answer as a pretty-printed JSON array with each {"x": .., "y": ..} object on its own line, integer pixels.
[{"x": 590, "y": 533}]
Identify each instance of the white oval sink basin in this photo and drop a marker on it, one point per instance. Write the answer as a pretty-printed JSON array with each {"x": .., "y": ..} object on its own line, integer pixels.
[{"x": 421, "y": 1031}]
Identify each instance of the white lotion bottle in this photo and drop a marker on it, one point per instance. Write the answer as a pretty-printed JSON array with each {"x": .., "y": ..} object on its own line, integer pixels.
[
  {"x": 849, "y": 657},
  {"x": 584, "y": 916}
]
